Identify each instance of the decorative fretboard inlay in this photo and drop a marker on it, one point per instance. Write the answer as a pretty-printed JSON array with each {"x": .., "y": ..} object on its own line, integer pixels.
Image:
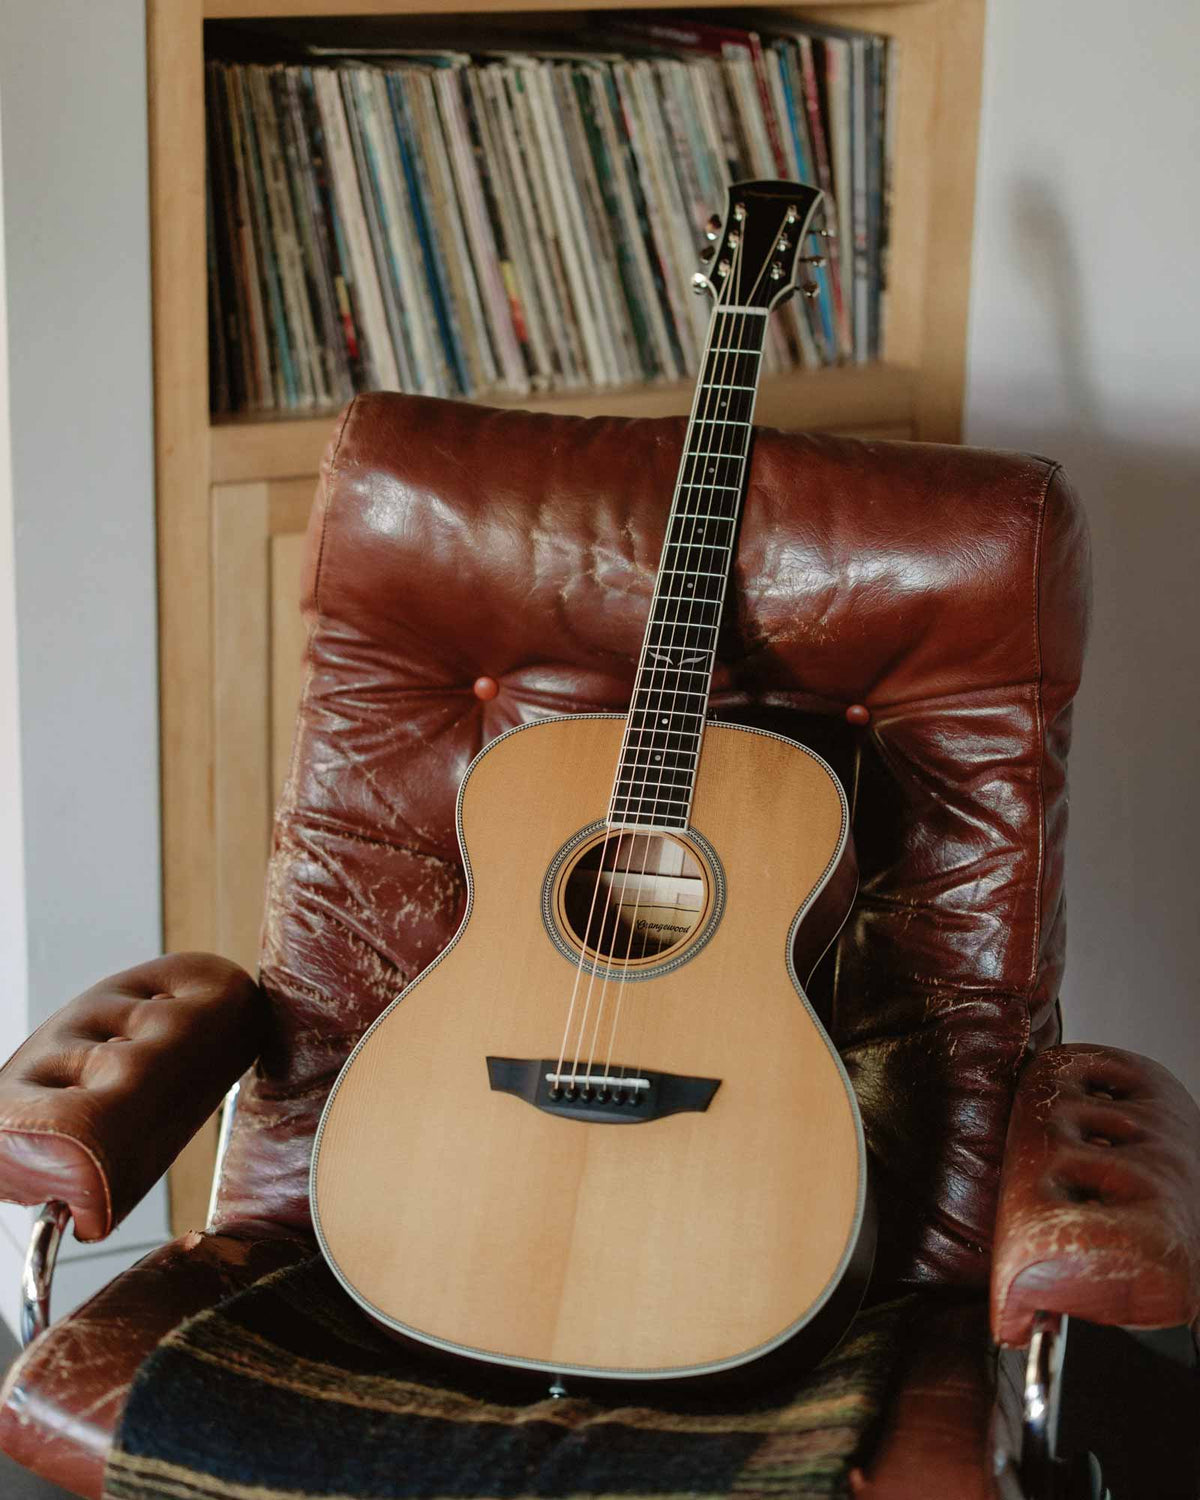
[{"x": 661, "y": 748}]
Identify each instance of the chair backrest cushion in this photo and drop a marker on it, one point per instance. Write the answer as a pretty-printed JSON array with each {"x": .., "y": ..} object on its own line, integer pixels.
[{"x": 945, "y": 589}]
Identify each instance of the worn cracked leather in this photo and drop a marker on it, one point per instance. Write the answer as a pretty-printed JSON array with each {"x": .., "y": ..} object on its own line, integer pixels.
[{"x": 62, "y": 1400}]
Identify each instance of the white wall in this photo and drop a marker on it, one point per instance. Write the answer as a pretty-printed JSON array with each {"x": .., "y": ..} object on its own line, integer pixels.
[
  {"x": 79, "y": 832},
  {"x": 1085, "y": 345}
]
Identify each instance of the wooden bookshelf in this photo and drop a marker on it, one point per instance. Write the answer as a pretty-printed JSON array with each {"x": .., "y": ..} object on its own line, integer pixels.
[{"x": 233, "y": 495}]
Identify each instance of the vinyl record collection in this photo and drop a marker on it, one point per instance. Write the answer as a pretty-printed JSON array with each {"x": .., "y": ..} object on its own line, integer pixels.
[{"x": 528, "y": 219}]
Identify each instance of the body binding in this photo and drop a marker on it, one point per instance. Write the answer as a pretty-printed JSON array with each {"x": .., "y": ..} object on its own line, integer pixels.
[{"x": 687, "y": 1247}]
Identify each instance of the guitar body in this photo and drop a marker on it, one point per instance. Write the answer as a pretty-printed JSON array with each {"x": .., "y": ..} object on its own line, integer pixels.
[{"x": 671, "y": 1233}]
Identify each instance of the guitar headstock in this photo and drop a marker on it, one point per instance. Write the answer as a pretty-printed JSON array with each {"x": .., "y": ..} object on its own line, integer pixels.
[{"x": 755, "y": 249}]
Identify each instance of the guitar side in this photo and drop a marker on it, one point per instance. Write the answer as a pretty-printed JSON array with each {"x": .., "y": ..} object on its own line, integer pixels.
[{"x": 686, "y": 1246}]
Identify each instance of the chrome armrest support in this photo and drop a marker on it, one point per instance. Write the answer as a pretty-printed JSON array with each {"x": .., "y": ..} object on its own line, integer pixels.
[
  {"x": 225, "y": 1131},
  {"x": 1024, "y": 1428},
  {"x": 38, "y": 1272},
  {"x": 1042, "y": 1398},
  {"x": 1027, "y": 1462}
]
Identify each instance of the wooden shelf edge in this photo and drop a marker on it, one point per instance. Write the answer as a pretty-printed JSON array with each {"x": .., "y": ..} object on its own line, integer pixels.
[
  {"x": 243, "y": 449},
  {"x": 261, "y": 10}
]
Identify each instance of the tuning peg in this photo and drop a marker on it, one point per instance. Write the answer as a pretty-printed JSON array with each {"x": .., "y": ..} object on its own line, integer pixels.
[
  {"x": 812, "y": 260},
  {"x": 824, "y": 234},
  {"x": 713, "y": 228},
  {"x": 707, "y": 252},
  {"x": 811, "y": 290},
  {"x": 699, "y": 283},
  {"x": 776, "y": 273}
]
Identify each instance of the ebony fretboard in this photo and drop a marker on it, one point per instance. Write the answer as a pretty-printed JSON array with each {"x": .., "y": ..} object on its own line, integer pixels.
[{"x": 661, "y": 748}]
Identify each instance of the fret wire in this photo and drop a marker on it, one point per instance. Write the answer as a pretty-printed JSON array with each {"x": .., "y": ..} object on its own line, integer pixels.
[
  {"x": 679, "y": 672},
  {"x": 690, "y": 734},
  {"x": 643, "y": 771},
  {"x": 633, "y": 780},
  {"x": 672, "y": 726},
  {"x": 675, "y": 714},
  {"x": 686, "y": 767},
  {"x": 631, "y": 797},
  {"x": 692, "y": 572},
  {"x": 695, "y": 546}
]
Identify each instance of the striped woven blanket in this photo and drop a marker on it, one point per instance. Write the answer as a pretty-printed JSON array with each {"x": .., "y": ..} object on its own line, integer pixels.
[{"x": 287, "y": 1392}]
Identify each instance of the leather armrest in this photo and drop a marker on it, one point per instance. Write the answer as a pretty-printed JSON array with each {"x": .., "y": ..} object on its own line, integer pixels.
[
  {"x": 100, "y": 1100},
  {"x": 1099, "y": 1211}
]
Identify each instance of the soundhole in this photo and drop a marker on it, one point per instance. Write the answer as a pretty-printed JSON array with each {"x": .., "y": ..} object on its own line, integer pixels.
[{"x": 633, "y": 898}]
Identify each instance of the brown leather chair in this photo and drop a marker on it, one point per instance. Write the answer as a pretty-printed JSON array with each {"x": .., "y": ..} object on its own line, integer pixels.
[{"x": 915, "y": 613}]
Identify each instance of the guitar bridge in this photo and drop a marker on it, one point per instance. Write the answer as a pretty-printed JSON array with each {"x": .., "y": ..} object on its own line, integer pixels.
[{"x": 614, "y": 1097}]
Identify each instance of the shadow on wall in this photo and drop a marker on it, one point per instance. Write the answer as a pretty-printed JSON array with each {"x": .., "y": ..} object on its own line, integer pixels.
[{"x": 1134, "y": 937}]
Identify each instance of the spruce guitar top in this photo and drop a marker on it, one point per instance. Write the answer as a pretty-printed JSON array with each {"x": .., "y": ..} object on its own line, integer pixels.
[{"x": 646, "y": 895}]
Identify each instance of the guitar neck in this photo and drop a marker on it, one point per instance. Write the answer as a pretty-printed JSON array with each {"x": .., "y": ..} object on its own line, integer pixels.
[{"x": 660, "y": 752}]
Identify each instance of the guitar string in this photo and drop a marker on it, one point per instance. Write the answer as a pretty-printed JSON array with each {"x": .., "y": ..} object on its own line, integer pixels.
[
  {"x": 595, "y": 965},
  {"x": 702, "y": 539},
  {"x": 741, "y": 459},
  {"x": 641, "y": 677},
  {"x": 608, "y": 838},
  {"x": 699, "y": 541},
  {"x": 700, "y": 528}
]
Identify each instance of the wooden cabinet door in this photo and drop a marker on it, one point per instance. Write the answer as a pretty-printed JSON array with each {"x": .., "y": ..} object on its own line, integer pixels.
[
  {"x": 257, "y": 654},
  {"x": 258, "y": 647}
]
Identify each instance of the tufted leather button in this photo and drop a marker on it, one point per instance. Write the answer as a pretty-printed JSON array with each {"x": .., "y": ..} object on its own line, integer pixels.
[
  {"x": 858, "y": 713},
  {"x": 485, "y": 688}
]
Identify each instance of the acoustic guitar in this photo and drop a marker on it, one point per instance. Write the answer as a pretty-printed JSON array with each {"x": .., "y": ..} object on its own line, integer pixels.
[{"x": 604, "y": 1134}]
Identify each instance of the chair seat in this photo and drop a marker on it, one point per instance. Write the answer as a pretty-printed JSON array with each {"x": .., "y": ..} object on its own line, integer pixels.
[{"x": 63, "y": 1403}]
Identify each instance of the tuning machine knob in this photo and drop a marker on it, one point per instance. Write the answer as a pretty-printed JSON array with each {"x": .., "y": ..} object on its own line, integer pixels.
[
  {"x": 699, "y": 283},
  {"x": 812, "y": 260},
  {"x": 811, "y": 290},
  {"x": 712, "y": 228},
  {"x": 707, "y": 252}
]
